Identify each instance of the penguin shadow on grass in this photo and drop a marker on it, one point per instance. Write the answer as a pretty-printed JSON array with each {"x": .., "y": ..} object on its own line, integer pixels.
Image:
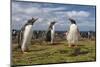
[
  {"x": 55, "y": 43},
  {"x": 77, "y": 51}
]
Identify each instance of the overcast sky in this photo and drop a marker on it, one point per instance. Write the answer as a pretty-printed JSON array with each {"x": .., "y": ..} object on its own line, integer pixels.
[{"x": 47, "y": 12}]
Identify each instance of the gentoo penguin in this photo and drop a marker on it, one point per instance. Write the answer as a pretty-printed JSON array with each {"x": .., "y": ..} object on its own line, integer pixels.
[
  {"x": 73, "y": 34},
  {"x": 25, "y": 35},
  {"x": 50, "y": 32}
]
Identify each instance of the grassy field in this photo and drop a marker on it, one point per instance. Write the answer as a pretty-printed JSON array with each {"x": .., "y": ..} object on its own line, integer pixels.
[{"x": 57, "y": 53}]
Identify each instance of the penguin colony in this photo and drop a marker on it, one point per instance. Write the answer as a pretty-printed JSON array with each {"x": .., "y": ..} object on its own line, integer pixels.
[{"x": 25, "y": 34}]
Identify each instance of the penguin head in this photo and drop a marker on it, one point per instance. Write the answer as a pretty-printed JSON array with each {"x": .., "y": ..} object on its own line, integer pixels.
[
  {"x": 32, "y": 21},
  {"x": 52, "y": 23},
  {"x": 72, "y": 21}
]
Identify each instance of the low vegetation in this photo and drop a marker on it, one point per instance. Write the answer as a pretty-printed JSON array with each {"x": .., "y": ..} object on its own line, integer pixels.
[{"x": 58, "y": 53}]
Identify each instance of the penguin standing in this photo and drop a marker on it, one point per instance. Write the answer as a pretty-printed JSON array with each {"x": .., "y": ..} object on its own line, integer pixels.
[
  {"x": 50, "y": 32},
  {"x": 73, "y": 34},
  {"x": 25, "y": 35}
]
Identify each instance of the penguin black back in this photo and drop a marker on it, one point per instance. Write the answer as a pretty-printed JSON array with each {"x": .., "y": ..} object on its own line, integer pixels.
[{"x": 48, "y": 35}]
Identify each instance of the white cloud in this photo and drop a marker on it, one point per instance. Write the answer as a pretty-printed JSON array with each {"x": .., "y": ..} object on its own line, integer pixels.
[
  {"x": 53, "y": 9},
  {"x": 77, "y": 14},
  {"x": 16, "y": 18},
  {"x": 21, "y": 14}
]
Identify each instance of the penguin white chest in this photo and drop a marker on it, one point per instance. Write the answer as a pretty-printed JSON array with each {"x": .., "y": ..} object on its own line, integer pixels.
[
  {"x": 52, "y": 31},
  {"x": 28, "y": 33},
  {"x": 52, "y": 34}
]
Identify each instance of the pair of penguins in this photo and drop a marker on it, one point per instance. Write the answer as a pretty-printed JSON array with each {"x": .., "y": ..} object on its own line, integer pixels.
[{"x": 25, "y": 34}]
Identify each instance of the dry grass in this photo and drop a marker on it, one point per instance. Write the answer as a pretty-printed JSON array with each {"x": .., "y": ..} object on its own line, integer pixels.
[{"x": 57, "y": 53}]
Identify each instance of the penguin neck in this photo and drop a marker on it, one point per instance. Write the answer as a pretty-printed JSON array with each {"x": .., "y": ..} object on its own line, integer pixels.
[
  {"x": 29, "y": 26},
  {"x": 52, "y": 27}
]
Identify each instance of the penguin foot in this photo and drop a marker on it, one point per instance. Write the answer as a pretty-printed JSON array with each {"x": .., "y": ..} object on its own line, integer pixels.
[{"x": 24, "y": 52}]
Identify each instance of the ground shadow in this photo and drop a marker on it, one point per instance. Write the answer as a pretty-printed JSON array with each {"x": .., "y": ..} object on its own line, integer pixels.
[
  {"x": 77, "y": 51},
  {"x": 57, "y": 43}
]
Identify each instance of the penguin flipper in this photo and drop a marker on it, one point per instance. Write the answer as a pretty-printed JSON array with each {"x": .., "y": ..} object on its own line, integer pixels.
[{"x": 20, "y": 39}]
